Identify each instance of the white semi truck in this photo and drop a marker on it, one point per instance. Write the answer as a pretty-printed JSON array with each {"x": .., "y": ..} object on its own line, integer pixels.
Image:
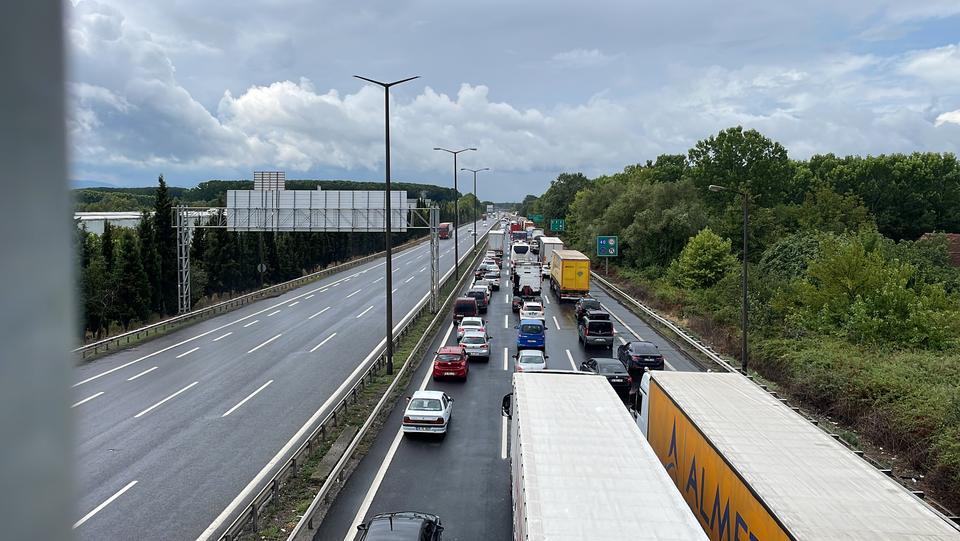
[{"x": 581, "y": 469}]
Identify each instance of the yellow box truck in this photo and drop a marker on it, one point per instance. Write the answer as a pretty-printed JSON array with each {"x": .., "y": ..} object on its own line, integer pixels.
[
  {"x": 751, "y": 468},
  {"x": 569, "y": 274}
]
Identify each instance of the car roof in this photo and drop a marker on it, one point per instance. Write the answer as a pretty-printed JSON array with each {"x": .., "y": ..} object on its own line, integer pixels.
[
  {"x": 475, "y": 333},
  {"x": 607, "y": 361},
  {"x": 472, "y": 318},
  {"x": 450, "y": 349},
  {"x": 531, "y": 320},
  {"x": 534, "y": 352},
  {"x": 643, "y": 345},
  {"x": 428, "y": 394}
]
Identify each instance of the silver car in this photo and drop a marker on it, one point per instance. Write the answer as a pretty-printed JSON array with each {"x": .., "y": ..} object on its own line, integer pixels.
[
  {"x": 530, "y": 360},
  {"x": 476, "y": 344}
]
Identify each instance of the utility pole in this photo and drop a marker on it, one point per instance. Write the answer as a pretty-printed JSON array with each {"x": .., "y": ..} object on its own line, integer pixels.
[
  {"x": 477, "y": 202},
  {"x": 456, "y": 211}
]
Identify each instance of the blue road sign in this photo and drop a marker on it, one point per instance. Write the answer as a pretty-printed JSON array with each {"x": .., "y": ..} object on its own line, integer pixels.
[{"x": 608, "y": 246}]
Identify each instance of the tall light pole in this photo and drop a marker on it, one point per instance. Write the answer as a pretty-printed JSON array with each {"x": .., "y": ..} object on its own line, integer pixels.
[
  {"x": 387, "y": 214},
  {"x": 744, "y": 309},
  {"x": 456, "y": 212},
  {"x": 477, "y": 202}
]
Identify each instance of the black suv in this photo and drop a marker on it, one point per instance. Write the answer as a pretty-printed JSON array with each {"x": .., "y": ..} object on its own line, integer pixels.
[
  {"x": 636, "y": 356},
  {"x": 584, "y": 304},
  {"x": 595, "y": 329},
  {"x": 404, "y": 526}
]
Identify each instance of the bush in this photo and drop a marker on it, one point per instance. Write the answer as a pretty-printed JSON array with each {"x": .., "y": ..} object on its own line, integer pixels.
[{"x": 703, "y": 262}]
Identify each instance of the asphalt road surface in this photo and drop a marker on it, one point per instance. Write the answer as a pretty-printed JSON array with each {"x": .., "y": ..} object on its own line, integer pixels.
[
  {"x": 465, "y": 477},
  {"x": 172, "y": 432}
]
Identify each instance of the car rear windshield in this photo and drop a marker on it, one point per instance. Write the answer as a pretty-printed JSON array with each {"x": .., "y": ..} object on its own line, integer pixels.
[
  {"x": 600, "y": 326},
  {"x": 448, "y": 357},
  {"x": 494, "y": 276},
  {"x": 530, "y": 359},
  {"x": 469, "y": 323},
  {"x": 643, "y": 348},
  {"x": 589, "y": 304},
  {"x": 425, "y": 404},
  {"x": 533, "y": 308},
  {"x": 474, "y": 340},
  {"x": 531, "y": 328},
  {"x": 465, "y": 308},
  {"x": 612, "y": 368}
]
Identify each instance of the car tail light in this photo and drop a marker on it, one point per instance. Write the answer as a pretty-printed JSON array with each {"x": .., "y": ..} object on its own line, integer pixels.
[
  {"x": 407, "y": 420},
  {"x": 586, "y": 331},
  {"x": 629, "y": 380},
  {"x": 635, "y": 357},
  {"x": 519, "y": 368}
]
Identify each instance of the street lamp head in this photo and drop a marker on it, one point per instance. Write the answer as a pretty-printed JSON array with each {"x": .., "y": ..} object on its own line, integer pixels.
[
  {"x": 472, "y": 148},
  {"x": 716, "y": 188}
]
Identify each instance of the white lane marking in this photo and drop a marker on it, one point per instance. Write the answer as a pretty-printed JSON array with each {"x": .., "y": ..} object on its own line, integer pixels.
[
  {"x": 503, "y": 438},
  {"x": 145, "y": 372},
  {"x": 506, "y": 358},
  {"x": 506, "y": 319},
  {"x": 294, "y": 303},
  {"x": 158, "y": 404},
  {"x": 355, "y": 292},
  {"x": 275, "y": 312},
  {"x": 321, "y": 289},
  {"x": 570, "y": 358},
  {"x": 100, "y": 507},
  {"x": 422, "y": 269},
  {"x": 361, "y": 314},
  {"x": 633, "y": 332},
  {"x": 265, "y": 343},
  {"x": 555, "y": 322},
  {"x": 622, "y": 340},
  {"x": 325, "y": 340},
  {"x": 408, "y": 262},
  {"x": 381, "y": 278},
  {"x": 222, "y": 336},
  {"x": 244, "y": 401},
  {"x": 407, "y": 281},
  {"x": 87, "y": 399},
  {"x": 546, "y": 299},
  {"x": 395, "y": 290},
  {"x": 385, "y": 465},
  {"x": 256, "y": 320},
  {"x": 310, "y": 296},
  {"x": 318, "y": 313},
  {"x": 185, "y": 353}
]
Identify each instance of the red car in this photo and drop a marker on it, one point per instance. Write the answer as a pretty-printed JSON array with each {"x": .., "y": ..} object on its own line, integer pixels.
[{"x": 451, "y": 362}]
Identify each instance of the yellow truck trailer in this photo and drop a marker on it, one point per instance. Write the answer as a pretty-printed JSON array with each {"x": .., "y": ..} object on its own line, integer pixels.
[
  {"x": 569, "y": 274},
  {"x": 751, "y": 468}
]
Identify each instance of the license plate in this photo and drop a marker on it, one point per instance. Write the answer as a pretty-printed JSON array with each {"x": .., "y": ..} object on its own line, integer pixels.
[
  {"x": 449, "y": 373},
  {"x": 616, "y": 380},
  {"x": 423, "y": 428}
]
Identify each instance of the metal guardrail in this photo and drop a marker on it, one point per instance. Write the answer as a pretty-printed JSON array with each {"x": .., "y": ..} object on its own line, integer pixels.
[
  {"x": 708, "y": 352},
  {"x": 125, "y": 339},
  {"x": 691, "y": 340},
  {"x": 250, "y": 516}
]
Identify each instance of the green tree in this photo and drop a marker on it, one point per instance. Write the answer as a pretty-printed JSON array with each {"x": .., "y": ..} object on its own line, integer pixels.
[
  {"x": 703, "y": 261},
  {"x": 527, "y": 205},
  {"x": 555, "y": 202},
  {"x": 826, "y": 210},
  {"x": 133, "y": 289},
  {"x": 108, "y": 247},
  {"x": 166, "y": 248},
  {"x": 151, "y": 259}
]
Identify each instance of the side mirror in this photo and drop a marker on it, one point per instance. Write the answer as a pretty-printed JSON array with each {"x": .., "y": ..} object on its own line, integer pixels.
[
  {"x": 505, "y": 405},
  {"x": 546, "y": 356},
  {"x": 408, "y": 399},
  {"x": 362, "y": 527},
  {"x": 516, "y": 326}
]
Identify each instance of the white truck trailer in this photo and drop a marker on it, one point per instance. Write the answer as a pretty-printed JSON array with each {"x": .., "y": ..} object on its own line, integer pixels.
[
  {"x": 581, "y": 468},
  {"x": 547, "y": 247},
  {"x": 497, "y": 239}
]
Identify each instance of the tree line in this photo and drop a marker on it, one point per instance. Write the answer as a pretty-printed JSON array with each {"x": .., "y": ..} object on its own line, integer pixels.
[
  {"x": 854, "y": 305},
  {"x": 128, "y": 277}
]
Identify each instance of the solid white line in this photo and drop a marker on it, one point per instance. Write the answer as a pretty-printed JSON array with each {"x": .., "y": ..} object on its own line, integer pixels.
[
  {"x": 570, "y": 358},
  {"x": 265, "y": 343},
  {"x": 506, "y": 317},
  {"x": 310, "y": 296},
  {"x": 555, "y": 322},
  {"x": 506, "y": 357},
  {"x": 325, "y": 340},
  {"x": 355, "y": 292},
  {"x": 503, "y": 438},
  {"x": 294, "y": 303},
  {"x": 100, "y": 507},
  {"x": 256, "y": 320},
  {"x": 318, "y": 313},
  {"x": 361, "y": 314},
  {"x": 244, "y": 401},
  {"x": 273, "y": 313},
  {"x": 546, "y": 299},
  {"x": 142, "y": 373},
  {"x": 407, "y": 281},
  {"x": 151, "y": 408},
  {"x": 385, "y": 465},
  {"x": 87, "y": 399},
  {"x": 222, "y": 336},
  {"x": 185, "y": 353},
  {"x": 381, "y": 278}
]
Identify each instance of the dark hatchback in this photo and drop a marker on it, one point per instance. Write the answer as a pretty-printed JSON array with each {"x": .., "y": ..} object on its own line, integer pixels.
[
  {"x": 404, "y": 526},
  {"x": 481, "y": 299},
  {"x": 584, "y": 304},
  {"x": 614, "y": 371},
  {"x": 464, "y": 307},
  {"x": 636, "y": 356}
]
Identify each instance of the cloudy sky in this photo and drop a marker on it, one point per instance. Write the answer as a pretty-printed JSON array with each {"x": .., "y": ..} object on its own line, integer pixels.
[{"x": 214, "y": 89}]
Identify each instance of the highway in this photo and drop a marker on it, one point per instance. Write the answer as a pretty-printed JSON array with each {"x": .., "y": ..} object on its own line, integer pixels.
[
  {"x": 172, "y": 432},
  {"x": 465, "y": 477}
]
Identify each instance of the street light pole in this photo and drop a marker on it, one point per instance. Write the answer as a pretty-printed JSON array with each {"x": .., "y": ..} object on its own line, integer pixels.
[
  {"x": 387, "y": 214},
  {"x": 477, "y": 202},
  {"x": 456, "y": 212},
  {"x": 745, "y": 307}
]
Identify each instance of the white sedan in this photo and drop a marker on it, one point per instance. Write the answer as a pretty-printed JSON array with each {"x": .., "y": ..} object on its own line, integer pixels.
[
  {"x": 428, "y": 412},
  {"x": 530, "y": 360},
  {"x": 470, "y": 324},
  {"x": 531, "y": 310}
]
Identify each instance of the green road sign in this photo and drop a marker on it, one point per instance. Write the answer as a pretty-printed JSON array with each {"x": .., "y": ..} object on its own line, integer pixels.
[
  {"x": 558, "y": 224},
  {"x": 608, "y": 246},
  {"x": 536, "y": 217}
]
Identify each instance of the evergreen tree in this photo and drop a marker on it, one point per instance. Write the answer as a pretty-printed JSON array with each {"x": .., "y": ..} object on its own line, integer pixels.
[
  {"x": 133, "y": 288},
  {"x": 151, "y": 259},
  {"x": 166, "y": 248},
  {"x": 107, "y": 247}
]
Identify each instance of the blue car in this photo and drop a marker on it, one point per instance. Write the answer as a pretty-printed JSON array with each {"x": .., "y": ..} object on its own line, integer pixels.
[{"x": 531, "y": 334}]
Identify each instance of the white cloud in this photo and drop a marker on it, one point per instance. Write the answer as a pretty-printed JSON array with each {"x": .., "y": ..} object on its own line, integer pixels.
[
  {"x": 940, "y": 65},
  {"x": 952, "y": 117},
  {"x": 582, "y": 58}
]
